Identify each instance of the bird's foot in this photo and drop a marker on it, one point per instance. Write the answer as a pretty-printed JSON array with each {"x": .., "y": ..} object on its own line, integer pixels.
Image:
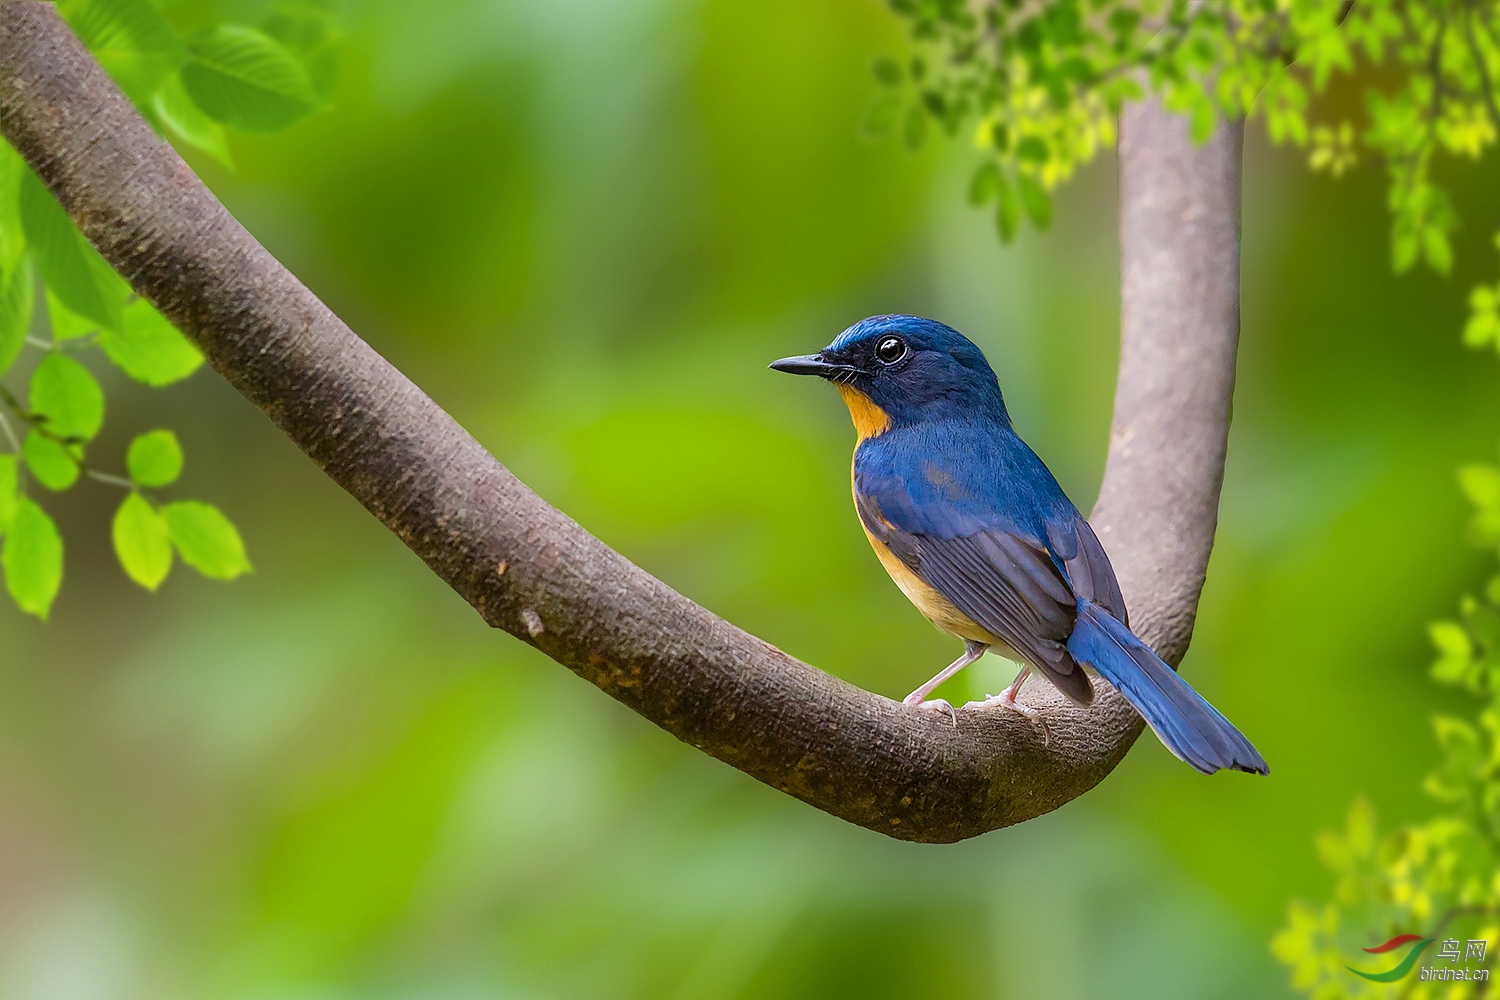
[
  {"x": 1007, "y": 700},
  {"x": 935, "y": 705}
]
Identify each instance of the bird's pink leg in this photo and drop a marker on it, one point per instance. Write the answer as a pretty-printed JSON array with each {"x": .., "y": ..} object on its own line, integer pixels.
[
  {"x": 1007, "y": 699},
  {"x": 972, "y": 652}
]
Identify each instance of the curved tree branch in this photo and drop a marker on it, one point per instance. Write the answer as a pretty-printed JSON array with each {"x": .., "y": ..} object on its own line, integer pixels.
[{"x": 530, "y": 570}]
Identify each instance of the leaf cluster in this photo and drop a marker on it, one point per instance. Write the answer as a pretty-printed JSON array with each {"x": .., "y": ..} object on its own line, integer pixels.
[
  {"x": 193, "y": 84},
  {"x": 1041, "y": 83},
  {"x": 59, "y": 300}
]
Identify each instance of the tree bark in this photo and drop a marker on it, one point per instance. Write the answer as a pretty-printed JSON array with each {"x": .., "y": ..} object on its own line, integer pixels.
[
  {"x": 530, "y": 570},
  {"x": 1179, "y": 330}
]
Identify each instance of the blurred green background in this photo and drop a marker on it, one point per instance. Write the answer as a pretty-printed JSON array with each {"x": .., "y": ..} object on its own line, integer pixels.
[{"x": 585, "y": 227}]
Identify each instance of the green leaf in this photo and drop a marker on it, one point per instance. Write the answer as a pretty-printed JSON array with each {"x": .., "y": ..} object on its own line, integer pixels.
[
  {"x": 1437, "y": 250},
  {"x": 127, "y": 25},
  {"x": 74, "y": 272},
  {"x": 247, "y": 80},
  {"x": 67, "y": 324},
  {"x": 1481, "y": 484},
  {"x": 1032, "y": 150},
  {"x": 9, "y": 483},
  {"x": 309, "y": 29},
  {"x": 184, "y": 119},
  {"x": 205, "y": 539},
  {"x": 148, "y": 348},
  {"x": 141, "y": 542},
  {"x": 1037, "y": 201},
  {"x": 50, "y": 462},
  {"x": 131, "y": 39},
  {"x": 68, "y": 396},
  {"x": 154, "y": 459},
  {"x": 33, "y": 559},
  {"x": 1484, "y": 319},
  {"x": 985, "y": 183},
  {"x": 12, "y": 237},
  {"x": 17, "y": 300},
  {"x": 1456, "y": 652}
]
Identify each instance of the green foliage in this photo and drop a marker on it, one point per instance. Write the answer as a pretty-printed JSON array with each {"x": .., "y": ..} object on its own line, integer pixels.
[
  {"x": 131, "y": 39},
  {"x": 310, "y": 30},
  {"x": 65, "y": 323},
  {"x": 1041, "y": 85},
  {"x": 148, "y": 348},
  {"x": 142, "y": 542},
  {"x": 191, "y": 86},
  {"x": 8, "y": 492},
  {"x": 17, "y": 299},
  {"x": 1484, "y": 314},
  {"x": 221, "y": 74},
  {"x": 66, "y": 401},
  {"x": 1440, "y": 878},
  {"x": 52, "y": 463},
  {"x": 176, "y": 110},
  {"x": 205, "y": 539},
  {"x": 32, "y": 558},
  {"x": 154, "y": 459},
  {"x": 73, "y": 270},
  {"x": 246, "y": 79}
]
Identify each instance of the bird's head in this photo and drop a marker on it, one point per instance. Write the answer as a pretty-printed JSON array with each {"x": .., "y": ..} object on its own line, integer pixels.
[{"x": 902, "y": 370}]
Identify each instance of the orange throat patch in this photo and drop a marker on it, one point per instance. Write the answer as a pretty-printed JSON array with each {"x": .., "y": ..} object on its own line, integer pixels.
[{"x": 869, "y": 419}]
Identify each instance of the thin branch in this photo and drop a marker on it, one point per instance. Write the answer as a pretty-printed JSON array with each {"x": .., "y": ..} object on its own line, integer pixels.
[
  {"x": 106, "y": 478},
  {"x": 530, "y": 570},
  {"x": 1435, "y": 69},
  {"x": 37, "y": 421},
  {"x": 15, "y": 442},
  {"x": 14, "y": 404}
]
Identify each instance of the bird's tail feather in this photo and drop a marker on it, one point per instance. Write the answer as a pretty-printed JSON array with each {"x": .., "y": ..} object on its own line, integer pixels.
[{"x": 1181, "y": 718}]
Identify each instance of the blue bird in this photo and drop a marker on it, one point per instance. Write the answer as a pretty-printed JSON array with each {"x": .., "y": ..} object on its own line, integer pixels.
[{"x": 979, "y": 536}]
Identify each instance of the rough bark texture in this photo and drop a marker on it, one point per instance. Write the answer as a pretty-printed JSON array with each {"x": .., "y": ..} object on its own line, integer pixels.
[{"x": 530, "y": 570}]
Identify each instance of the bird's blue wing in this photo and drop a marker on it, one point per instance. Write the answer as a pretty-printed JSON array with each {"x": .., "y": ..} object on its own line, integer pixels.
[
  {"x": 1001, "y": 553},
  {"x": 1087, "y": 568}
]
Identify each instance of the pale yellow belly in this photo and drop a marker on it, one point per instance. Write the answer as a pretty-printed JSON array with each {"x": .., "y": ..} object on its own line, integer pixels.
[{"x": 938, "y": 609}]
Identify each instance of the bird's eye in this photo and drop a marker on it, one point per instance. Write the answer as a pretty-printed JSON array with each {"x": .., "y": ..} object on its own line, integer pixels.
[{"x": 890, "y": 350}]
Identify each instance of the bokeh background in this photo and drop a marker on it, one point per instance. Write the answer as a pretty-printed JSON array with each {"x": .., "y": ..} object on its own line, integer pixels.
[{"x": 584, "y": 226}]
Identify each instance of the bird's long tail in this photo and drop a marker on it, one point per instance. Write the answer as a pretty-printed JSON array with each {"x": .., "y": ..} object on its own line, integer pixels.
[{"x": 1181, "y": 718}]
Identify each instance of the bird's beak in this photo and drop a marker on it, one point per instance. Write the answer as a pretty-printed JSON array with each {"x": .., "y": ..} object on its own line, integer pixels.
[{"x": 806, "y": 364}]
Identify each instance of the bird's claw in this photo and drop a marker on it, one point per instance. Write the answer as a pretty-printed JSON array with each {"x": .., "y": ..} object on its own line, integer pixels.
[
  {"x": 1007, "y": 701},
  {"x": 940, "y": 705}
]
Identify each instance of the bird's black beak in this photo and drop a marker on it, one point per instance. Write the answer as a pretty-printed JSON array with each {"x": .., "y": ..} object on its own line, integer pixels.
[{"x": 806, "y": 364}]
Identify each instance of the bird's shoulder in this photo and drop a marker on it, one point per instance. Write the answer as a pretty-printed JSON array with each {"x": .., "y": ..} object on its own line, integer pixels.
[
  {"x": 981, "y": 503},
  {"x": 949, "y": 479}
]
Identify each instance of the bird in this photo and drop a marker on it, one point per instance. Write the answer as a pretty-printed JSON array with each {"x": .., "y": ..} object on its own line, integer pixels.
[{"x": 976, "y": 532}]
